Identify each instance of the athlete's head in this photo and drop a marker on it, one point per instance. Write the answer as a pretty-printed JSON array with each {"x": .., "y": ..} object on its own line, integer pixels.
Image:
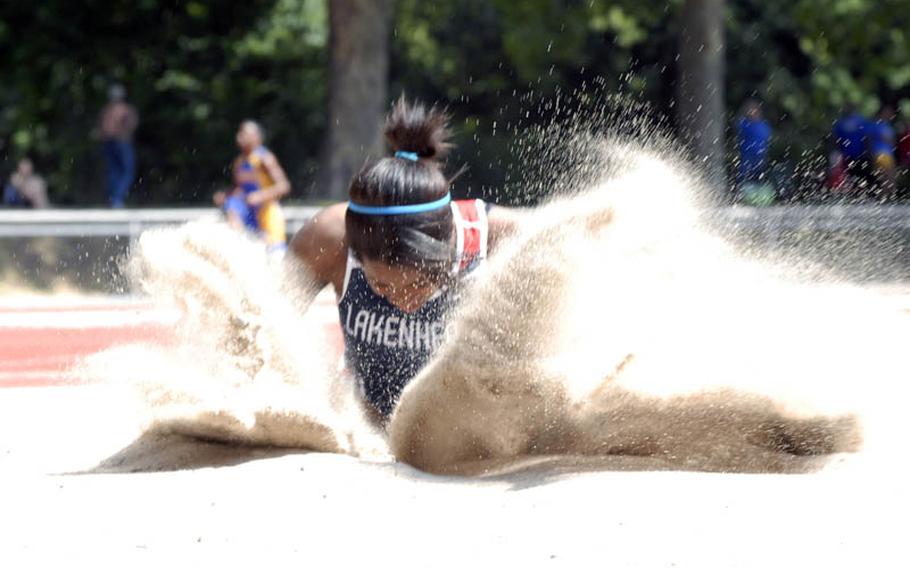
[
  {"x": 249, "y": 136},
  {"x": 406, "y": 254},
  {"x": 752, "y": 109},
  {"x": 25, "y": 167},
  {"x": 116, "y": 93},
  {"x": 886, "y": 113}
]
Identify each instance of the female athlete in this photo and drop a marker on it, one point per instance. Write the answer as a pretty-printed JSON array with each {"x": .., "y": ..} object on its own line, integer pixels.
[
  {"x": 259, "y": 184},
  {"x": 397, "y": 252}
]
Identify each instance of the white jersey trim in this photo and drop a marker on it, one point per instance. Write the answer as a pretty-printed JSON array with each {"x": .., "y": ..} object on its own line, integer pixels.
[
  {"x": 460, "y": 224},
  {"x": 484, "y": 225},
  {"x": 349, "y": 265}
]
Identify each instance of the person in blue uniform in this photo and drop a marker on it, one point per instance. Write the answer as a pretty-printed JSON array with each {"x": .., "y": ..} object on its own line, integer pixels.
[
  {"x": 259, "y": 184},
  {"x": 754, "y": 138},
  {"x": 753, "y": 135},
  {"x": 397, "y": 253}
]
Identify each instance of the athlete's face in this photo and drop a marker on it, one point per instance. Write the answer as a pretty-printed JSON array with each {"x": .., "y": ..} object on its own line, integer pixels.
[
  {"x": 248, "y": 138},
  {"x": 406, "y": 288},
  {"x": 25, "y": 167}
]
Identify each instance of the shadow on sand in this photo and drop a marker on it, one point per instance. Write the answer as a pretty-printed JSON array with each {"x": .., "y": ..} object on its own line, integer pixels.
[
  {"x": 163, "y": 451},
  {"x": 166, "y": 451}
]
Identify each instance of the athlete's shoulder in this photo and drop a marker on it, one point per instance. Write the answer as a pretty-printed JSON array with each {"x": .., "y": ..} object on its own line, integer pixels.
[
  {"x": 268, "y": 159},
  {"x": 321, "y": 243},
  {"x": 325, "y": 228}
]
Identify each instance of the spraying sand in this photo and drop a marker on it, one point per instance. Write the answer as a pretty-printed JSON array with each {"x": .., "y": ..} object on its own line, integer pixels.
[
  {"x": 247, "y": 366},
  {"x": 612, "y": 332},
  {"x": 613, "y": 327}
]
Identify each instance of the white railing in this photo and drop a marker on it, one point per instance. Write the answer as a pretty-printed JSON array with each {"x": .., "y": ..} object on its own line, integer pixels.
[
  {"x": 114, "y": 222},
  {"x": 131, "y": 222},
  {"x": 822, "y": 218}
]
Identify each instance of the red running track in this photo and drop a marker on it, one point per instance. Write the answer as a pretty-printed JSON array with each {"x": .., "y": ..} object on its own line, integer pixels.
[{"x": 40, "y": 344}]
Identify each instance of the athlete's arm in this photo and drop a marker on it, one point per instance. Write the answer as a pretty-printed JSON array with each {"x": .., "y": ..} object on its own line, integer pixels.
[
  {"x": 503, "y": 222},
  {"x": 322, "y": 247},
  {"x": 276, "y": 191}
]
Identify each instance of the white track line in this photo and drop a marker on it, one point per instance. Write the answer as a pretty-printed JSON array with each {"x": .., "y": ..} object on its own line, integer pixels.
[
  {"x": 55, "y": 374},
  {"x": 73, "y": 312},
  {"x": 90, "y": 318}
]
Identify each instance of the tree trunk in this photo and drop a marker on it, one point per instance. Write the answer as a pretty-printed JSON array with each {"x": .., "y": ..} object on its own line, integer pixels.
[
  {"x": 359, "y": 33},
  {"x": 700, "y": 95}
]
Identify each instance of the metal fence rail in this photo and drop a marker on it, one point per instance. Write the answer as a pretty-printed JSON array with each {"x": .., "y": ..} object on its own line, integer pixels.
[
  {"x": 116, "y": 222},
  {"x": 820, "y": 218},
  {"x": 130, "y": 223}
]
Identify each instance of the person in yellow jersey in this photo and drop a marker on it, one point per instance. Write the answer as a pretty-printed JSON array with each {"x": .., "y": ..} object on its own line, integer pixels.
[{"x": 259, "y": 184}]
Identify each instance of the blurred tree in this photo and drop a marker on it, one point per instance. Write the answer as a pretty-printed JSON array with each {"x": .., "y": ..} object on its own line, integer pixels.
[
  {"x": 358, "y": 87},
  {"x": 195, "y": 69},
  {"x": 808, "y": 58},
  {"x": 700, "y": 98},
  {"x": 497, "y": 78}
]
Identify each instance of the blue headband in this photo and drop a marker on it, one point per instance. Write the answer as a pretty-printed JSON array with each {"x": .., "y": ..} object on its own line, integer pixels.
[
  {"x": 400, "y": 209},
  {"x": 407, "y": 155}
]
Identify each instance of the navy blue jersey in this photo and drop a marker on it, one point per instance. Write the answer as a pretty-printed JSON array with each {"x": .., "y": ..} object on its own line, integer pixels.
[{"x": 386, "y": 347}]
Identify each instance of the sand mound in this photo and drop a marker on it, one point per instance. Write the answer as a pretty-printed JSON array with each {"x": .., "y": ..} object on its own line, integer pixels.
[
  {"x": 247, "y": 366},
  {"x": 613, "y": 326},
  {"x": 612, "y": 331}
]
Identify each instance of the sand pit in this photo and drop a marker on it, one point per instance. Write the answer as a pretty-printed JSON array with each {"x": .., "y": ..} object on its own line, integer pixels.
[
  {"x": 581, "y": 431},
  {"x": 613, "y": 327},
  {"x": 321, "y": 508},
  {"x": 577, "y": 341}
]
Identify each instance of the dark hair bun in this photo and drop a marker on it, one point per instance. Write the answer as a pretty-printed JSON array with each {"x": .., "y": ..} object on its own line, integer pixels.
[{"x": 413, "y": 128}]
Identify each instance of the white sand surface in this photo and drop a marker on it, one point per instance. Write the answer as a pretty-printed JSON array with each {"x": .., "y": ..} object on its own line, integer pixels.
[
  {"x": 85, "y": 486},
  {"x": 279, "y": 507}
]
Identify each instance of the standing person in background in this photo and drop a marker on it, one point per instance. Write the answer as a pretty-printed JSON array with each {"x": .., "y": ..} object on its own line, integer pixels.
[
  {"x": 882, "y": 144},
  {"x": 848, "y": 163},
  {"x": 25, "y": 188},
  {"x": 754, "y": 140},
  {"x": 259, "y": 184},
  {"x": 117, "y": 123}
]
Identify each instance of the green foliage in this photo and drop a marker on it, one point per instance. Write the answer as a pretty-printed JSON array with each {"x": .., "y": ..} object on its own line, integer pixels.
[
  {"x": 805, "y": 59},
  {"x": 808, "y": 59},
  {"x": 195, "y": 68},
  {"x": 493, "y": 62}
]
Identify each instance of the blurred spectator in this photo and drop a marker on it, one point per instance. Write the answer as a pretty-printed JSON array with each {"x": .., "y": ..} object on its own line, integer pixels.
[
  {"x": 117, "y": 123},
  {"x": 259, "y": 184},
  {"x": 882, "y": 144},
  {"x": 848, "y": 161},
  {"x": 25, "y": 188},
  {"x": 754, "y": 139}
]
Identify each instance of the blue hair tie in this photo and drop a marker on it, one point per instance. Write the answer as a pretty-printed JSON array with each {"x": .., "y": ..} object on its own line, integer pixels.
[
  {"x": 400, "y": 209},
  {"x": 407, "y": 155}
]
